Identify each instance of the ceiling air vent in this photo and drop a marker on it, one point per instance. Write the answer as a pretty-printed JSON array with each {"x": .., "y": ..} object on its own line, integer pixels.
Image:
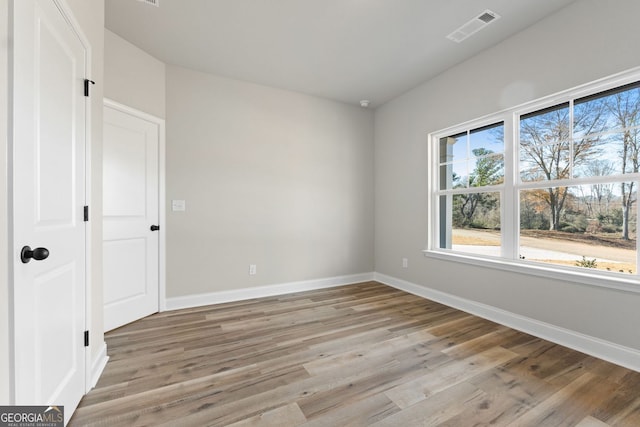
[
  {"x": 155, "y": 3},
  {"x": 473, "y": 26}
]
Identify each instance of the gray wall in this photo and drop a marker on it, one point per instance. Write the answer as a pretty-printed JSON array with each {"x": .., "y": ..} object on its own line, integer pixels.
[
  {"x": 270, "y": 177},
  {"x": 560, "y": 52},
  {"x": 133, "y": 77}
]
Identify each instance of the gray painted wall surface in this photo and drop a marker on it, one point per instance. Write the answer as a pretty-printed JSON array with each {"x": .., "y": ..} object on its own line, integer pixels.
[
  {"x": 270, "y": 177},
  {"x": 133, "y": 77},
  {"x": 560, "y": 52}
]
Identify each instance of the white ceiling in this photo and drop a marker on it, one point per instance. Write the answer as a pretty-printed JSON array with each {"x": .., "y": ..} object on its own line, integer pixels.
[{"x": 347, "y": 50}]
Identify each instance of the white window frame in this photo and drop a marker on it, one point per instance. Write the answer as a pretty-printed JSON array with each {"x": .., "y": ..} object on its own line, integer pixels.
[{"x": 509, "y": 190}]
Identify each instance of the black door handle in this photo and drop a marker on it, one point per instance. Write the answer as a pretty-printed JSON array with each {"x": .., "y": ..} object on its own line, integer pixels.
[
  {"x": 26, "y": 254},
  {"x": 155, "y": 227}
]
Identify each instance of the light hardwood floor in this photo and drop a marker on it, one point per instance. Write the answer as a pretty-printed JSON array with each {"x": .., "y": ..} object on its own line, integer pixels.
[{"x": 356, "y": 355}]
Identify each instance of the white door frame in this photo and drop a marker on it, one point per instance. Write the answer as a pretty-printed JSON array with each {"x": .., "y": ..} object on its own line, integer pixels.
[
  {"x": 162, "y": 298},
  {"x": 67, "y": 14}
]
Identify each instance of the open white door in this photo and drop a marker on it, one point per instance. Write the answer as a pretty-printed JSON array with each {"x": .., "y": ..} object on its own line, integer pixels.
[
  {"x": 131, "y": 147},
  {"x": 48, "y": 194}
]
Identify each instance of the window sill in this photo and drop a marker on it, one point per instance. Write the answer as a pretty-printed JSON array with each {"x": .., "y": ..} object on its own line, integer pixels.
[{"x": 603, "y": 280}]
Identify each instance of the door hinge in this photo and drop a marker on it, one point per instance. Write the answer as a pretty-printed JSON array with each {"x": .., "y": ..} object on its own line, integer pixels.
[
  {"x": 86, "y": 338},
  {"x": 86, "y": 86},
  {"x": 86, "y": 213}
]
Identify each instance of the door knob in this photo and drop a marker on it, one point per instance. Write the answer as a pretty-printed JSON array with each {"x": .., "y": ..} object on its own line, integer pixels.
[
  {"x": 155, "y": 227},
  {"x": 38, "y": 254}
]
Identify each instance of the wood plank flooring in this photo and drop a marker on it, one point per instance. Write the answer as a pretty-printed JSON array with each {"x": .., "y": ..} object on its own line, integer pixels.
[{"x": 358, "y": 355}]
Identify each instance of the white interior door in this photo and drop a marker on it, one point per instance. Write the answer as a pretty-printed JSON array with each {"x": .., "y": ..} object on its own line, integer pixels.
[
  {"x": 130, "y": 209},
  {"x": 48, "y": 194}
]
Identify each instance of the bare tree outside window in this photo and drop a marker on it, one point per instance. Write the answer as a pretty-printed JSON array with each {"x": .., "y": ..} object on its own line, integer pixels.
[
  {"x": 548, "y": 152},
  {"x": 566, "y": 196},
  {"x": 624, "y": 107}
]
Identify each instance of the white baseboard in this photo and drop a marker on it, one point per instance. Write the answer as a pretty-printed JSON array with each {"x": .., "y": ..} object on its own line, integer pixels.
[
  {"x": 198, "y": 300},
  {"x": 602, "y": 349},
  {"x": 99, "y": 364}
]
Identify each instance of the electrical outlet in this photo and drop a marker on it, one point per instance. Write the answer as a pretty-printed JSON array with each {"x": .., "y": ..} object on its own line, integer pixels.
[
  {"x": 405, "y": 263},
  {"x": 252, "y": 269}
]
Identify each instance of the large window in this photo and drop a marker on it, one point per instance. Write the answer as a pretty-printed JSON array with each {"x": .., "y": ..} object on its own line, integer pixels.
[{"x": 552, "y": 184}]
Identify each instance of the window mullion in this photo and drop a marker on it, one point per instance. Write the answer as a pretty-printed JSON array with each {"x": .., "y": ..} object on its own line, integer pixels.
[
  {"x": 571, "y": 141},
  {"x": 509, "y": 208},
  {"x": 433, "y": 184}
]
